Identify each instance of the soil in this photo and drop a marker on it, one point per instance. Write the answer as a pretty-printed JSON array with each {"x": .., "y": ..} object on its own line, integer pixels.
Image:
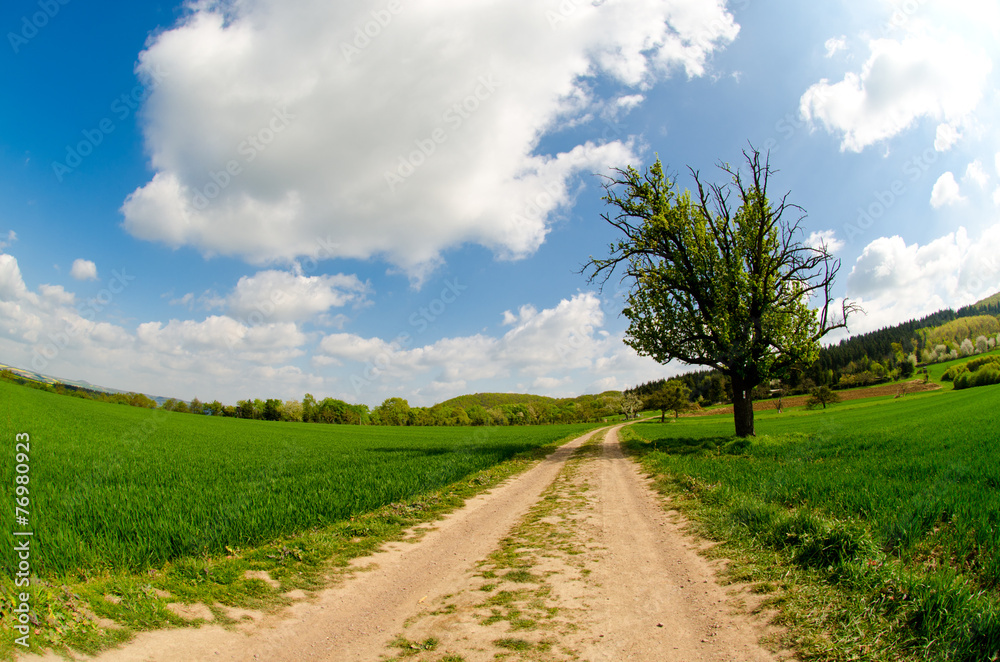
[{"x": 575, "y": 559}]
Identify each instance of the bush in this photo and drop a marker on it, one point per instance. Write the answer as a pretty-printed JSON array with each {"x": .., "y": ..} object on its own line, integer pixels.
[
  {"x": 970, "y": 366},
  {"x": 954, "y": 371},
  {"x": 985, "y": 376}
]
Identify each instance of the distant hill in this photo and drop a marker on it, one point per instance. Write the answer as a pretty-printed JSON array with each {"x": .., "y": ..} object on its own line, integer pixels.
[
  {"x": 74, "y": 383},
  {"x": 490, "y": 400},
  {"x": 49, "y": 379},
  {"x": 988, "y": 306},
  {"x": 964, "y": 327}
]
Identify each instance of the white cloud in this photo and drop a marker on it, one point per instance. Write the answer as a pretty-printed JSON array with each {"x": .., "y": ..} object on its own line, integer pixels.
[
  {"x": 945, "y": 137},
  {"x": 83, "y": 270},
  {"x": 834, "y": 45},
  {"x": 11, "y": 238},
  {"x": 185, "y": 300},
  {"x": 946, "y": 191},
  {"x": 975, "y": 172},
  {"x": 940, "y": 77},
  {"x": 12, "y": 285},
  {"x": 996, "y": 196},
  {"x": 895, "y": 281},
  {"x": 564, "y": 349},
  {"x": 52, "y": 332},
  {"x": 283, "y": 296},
  {"x": 827, "y": 238},
  {"x": 57, "y": 295},
  {"x": 996, "y": 162},
  {"x": 630, "y": 101},
  {"x": 339, "y": 125},
  {"x": 556, "y": 350}
]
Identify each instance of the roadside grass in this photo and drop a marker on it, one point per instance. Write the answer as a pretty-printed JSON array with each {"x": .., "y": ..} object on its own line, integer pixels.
[
  {"x": 872, "y": 525},
  {"x": 95, "y": 485}
]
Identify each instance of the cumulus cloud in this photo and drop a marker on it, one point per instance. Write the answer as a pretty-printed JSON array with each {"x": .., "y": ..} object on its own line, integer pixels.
[
  {"x": 283, "y": 296},
  {"x": 283, "y": 130},
  {"x": 50, "y": 330},
  {"x": 83, "y": 270},
  {"x": 545, "y": 350},
  {"x": 12, "y": 285},
  {"x": 945, "y": 137},
  {"x": 564, "y": 349},
  {"x": 946, "y": 191},
  {"x": 825, "y": 239},
  {"x": 834, "y": 45},
  {"x": 896, "y": 281},
  {"x": 920, "y": 75},
  {"x": 975, "y": 173}
]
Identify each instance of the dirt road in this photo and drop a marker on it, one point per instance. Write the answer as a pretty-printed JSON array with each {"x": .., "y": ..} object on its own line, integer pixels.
[{"x": 575, "y": 559}]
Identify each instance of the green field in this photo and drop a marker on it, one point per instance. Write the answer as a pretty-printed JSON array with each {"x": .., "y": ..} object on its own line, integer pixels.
[
  {"x": 895, "y": 503},
  {"x": 123, "y": 488}
]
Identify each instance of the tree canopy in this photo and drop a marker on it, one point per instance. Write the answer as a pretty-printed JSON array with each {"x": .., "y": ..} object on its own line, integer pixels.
[
  {"x": 719, "y": 278},
  {"x": 672, "y": 396}
]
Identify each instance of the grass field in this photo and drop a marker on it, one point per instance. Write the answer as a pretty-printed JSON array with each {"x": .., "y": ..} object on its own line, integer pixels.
[
  {"x": 122, "y": 488},
  {"x": 894, "y": 503}
]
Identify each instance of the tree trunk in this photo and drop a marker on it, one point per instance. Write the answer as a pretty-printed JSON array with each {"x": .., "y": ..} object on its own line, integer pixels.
[{"x": 743, "y": 407}]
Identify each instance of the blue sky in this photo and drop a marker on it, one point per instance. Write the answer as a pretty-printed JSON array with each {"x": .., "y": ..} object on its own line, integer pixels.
[{"x": 365, "y": 200}]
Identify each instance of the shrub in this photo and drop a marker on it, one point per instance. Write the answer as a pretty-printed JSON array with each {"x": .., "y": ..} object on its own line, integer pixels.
[
  {"x": 954, "y": 371},
  {"x": 975, "y": 365},
  {"x": 985, "y": 377},
  {"x": 822, "y": 396}
]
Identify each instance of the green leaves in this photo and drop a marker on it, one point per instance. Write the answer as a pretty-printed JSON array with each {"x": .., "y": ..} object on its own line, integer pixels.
[{"x": 713, "y": 285}]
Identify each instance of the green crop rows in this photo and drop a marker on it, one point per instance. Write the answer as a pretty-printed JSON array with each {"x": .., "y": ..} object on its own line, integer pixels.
[
  {"x": 122, "y": 488},
  {"x": 894, "y": 502}
]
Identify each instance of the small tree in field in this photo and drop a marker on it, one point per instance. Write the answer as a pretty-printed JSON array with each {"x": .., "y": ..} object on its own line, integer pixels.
[
  {"x": 720, "y": 279},
  {"x": 822, "y": 395},
  {"x": 630, "y": 405},
  {"x": 674, "y": 396}
]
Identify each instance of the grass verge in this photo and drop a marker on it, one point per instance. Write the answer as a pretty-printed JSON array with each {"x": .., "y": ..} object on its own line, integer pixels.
[
  {"x": 870, "y": 531},
  {"x": 104, "y": 611}
]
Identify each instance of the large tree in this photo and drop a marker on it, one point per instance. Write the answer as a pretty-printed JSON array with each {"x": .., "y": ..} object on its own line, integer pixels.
[{"x": 721, "y": 277}]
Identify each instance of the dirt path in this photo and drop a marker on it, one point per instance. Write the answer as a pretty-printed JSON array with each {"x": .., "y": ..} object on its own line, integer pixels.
[{"x": 575, "y": 559}]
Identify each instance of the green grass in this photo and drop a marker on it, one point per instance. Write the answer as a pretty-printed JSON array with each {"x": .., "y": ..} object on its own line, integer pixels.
[
  {"x": 122, "y": 488},
  {"x": 892, "y": 505}
]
